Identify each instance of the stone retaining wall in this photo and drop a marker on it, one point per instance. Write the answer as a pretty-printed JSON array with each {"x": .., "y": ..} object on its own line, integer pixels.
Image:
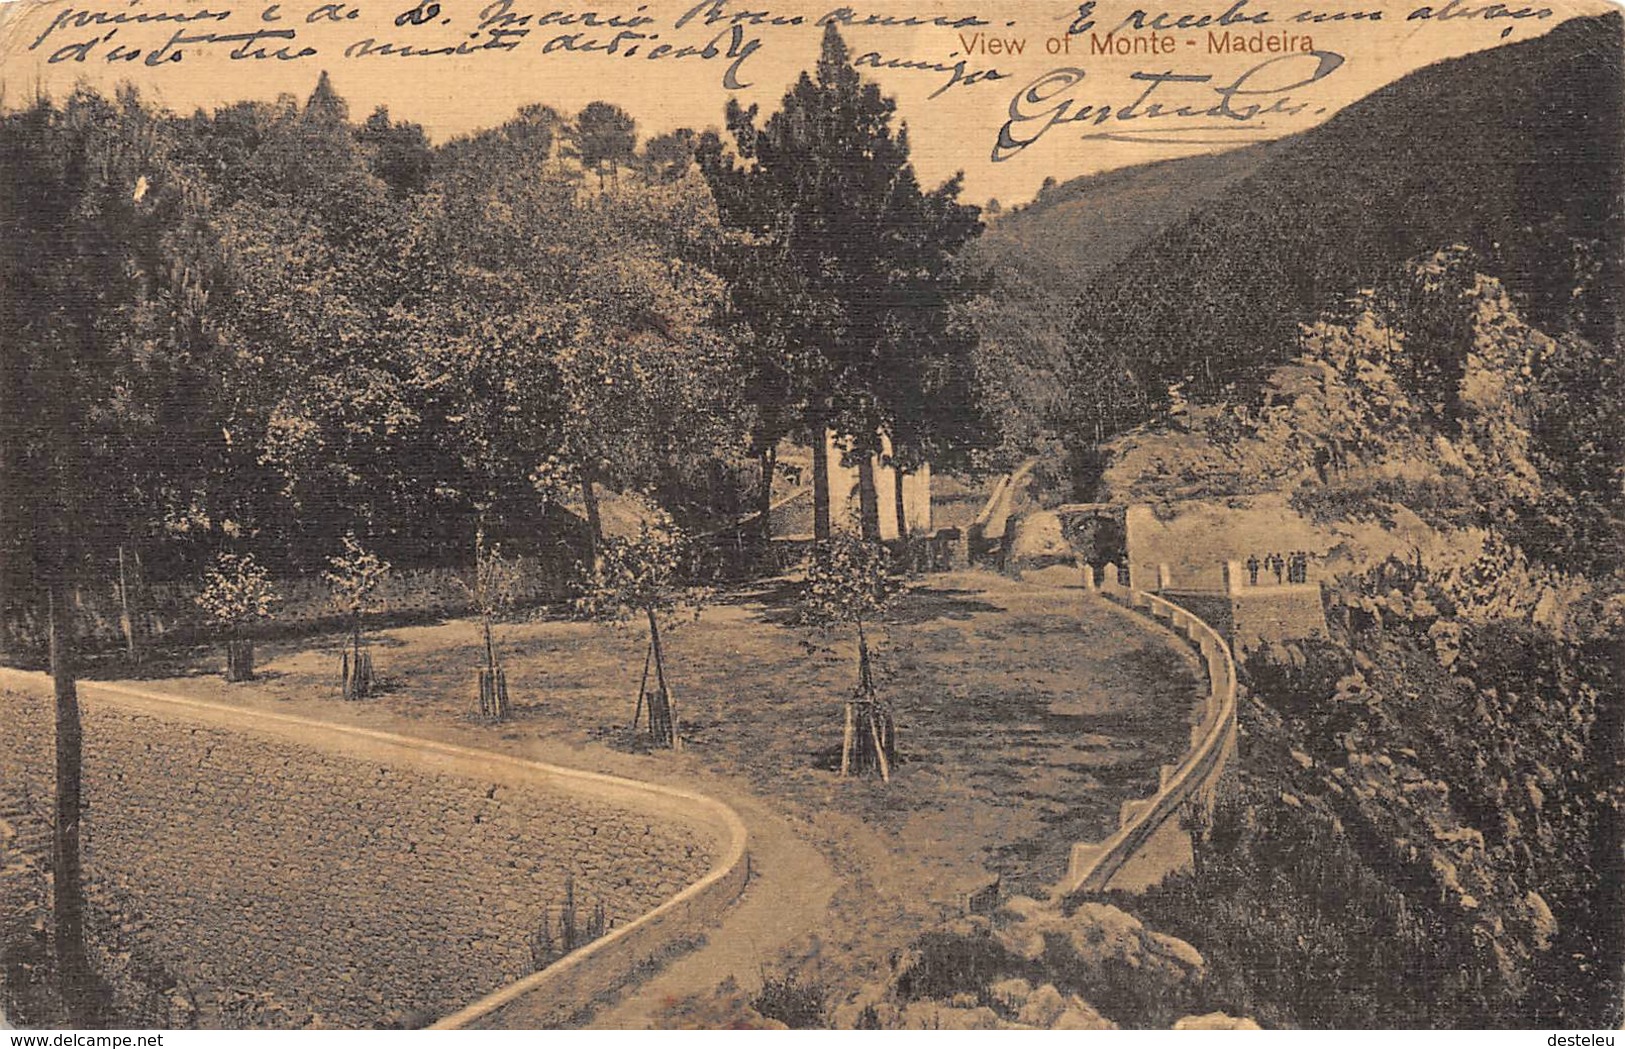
[
  {"x": 353, "y": 883},
  {"x": 1150, "y": 842}
]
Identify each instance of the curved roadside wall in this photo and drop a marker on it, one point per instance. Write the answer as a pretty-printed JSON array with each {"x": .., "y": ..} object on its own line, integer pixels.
[
  {"x": 292, "y": 873},
  {"x": 1150, "y": 842}
]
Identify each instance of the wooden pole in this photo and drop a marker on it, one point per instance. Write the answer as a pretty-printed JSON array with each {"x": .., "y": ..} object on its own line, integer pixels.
[
  {"x": 866, "y": 679},
  {"x": 660, "y": 677},
  {"x": 846, "y": 739},
  {"x": 648, "y": 655},
  {"x": 880, "y": 749}
]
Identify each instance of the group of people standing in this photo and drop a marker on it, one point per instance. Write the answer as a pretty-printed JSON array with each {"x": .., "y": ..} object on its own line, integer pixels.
[{"x": 1293, "y": 568}]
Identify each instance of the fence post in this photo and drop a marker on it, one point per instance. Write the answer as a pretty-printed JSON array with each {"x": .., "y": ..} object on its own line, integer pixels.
[{"x": 1234, "y": 579}]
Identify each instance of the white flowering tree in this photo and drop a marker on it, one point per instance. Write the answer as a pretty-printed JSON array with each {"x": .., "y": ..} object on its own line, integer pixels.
[
  {"x": 641, "y": 577},
  {"x": 238, "y": 591},
  {"x": 850, "y": 582},
  {"x": 353, "y": 576}
]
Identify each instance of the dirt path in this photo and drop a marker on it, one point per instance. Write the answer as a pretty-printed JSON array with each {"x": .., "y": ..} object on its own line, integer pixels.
[{"x": 787, "y": 899}]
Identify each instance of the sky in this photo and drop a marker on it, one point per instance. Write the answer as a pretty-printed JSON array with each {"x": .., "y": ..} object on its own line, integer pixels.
[{"x": 562, "y": 59}]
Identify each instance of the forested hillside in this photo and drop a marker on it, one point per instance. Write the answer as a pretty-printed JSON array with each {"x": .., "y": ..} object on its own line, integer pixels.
[
  {"x": 1034, "y": 259},
  {"x": 1512, "y": 152},
  {"x": 1080, "y": 228}
]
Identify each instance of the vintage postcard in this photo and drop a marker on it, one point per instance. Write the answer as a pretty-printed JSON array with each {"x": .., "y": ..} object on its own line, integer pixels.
[{"x": 854, "y": 514}]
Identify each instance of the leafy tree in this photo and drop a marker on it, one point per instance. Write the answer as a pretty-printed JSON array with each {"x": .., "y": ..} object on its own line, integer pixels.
[
  {"x": 238, "y": 592},
  {"x": 352, "y": 576},
  {"x": 840, "y": 264},
  {"x": 647, "y": 373},
  {"x": 398, "y": 153},
  {"x": 850, "y": 582},
  {"x": 480, "y": 339},
  {"x": 668, "y": 157},
  {"x": 1020, "y": 370},
  {"x": 603, "y": 136},
  {"x": 925, "y": 386},
  {"x": 642, "y": 576},
  {"x": 574, "y": 327},
  {"x": 318, "y": 257}
]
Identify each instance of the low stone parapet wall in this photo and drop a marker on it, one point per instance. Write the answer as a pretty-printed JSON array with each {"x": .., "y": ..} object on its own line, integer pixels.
[{"x": 1150, "y": 842}]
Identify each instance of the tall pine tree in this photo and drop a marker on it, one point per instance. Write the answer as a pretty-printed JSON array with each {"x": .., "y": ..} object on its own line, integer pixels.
[{"x": 840, "y": 267}]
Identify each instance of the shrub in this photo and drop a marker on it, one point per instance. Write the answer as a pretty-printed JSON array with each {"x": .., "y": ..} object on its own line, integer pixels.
[
  {"x": 850, "y": 581},
  {"x": 353, "y": 576},
  {"x": 797, "y": 1005},
  {"x": 237, "y": 591}
]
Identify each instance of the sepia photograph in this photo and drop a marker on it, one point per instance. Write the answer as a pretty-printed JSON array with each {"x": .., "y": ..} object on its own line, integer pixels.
[{"x": 768, "y": 515}]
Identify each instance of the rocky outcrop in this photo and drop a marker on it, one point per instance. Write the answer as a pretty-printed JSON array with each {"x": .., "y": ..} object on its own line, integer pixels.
[
  {"x": 1047, "y": 1007},
  {"x": 1215, "y": 1022},
  {"x": 1035, "y": 964},
  {"x": 1097, "y": 943}
]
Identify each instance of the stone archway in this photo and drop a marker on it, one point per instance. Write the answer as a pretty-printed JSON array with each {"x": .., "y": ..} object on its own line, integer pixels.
[{"x": 1097, "y": 531}]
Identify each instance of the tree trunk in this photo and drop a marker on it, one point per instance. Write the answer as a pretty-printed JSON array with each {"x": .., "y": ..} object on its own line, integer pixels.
[
  {"x": 897, "y": 495},
  {"x": 868, "y": 497},
  {"x": 764, "y": 498},
  {"x": 493, "y": 682},
  {"x": 866, "y": 680},
  {"x": 126, "y": 621},
  {"x": 821, "y": 493},
  {"x": 357, "y": 669},
  {"x": 67, "y": 901},
  {"x": 595, "y": 524},
  {"x": 239, "y": 659}
]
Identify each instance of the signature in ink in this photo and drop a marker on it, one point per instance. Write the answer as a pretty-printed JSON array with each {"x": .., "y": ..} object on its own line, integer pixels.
[{"x": 1193, "y": 104}]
